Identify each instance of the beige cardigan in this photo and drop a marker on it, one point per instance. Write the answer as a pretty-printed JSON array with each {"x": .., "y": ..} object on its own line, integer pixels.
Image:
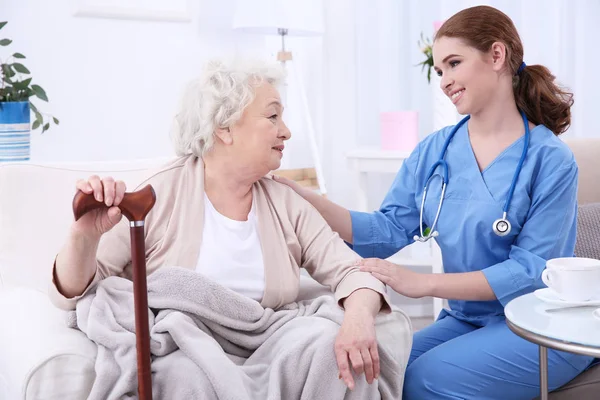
[{"x": 292, "y": 233}]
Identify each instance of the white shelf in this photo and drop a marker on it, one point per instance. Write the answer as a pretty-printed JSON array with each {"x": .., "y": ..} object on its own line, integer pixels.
[{"x": 377, "y": 160}]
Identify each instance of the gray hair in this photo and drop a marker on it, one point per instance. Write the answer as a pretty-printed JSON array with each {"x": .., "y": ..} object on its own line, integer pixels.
[{"x": 217, "y": 99}]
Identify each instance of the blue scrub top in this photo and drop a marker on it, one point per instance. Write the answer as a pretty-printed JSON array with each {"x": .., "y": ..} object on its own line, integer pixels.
[{"x": 542, "y": 212}]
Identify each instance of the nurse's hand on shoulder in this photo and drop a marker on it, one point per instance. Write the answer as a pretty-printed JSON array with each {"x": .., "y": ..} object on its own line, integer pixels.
[
  {"x": 301, "y": 190},
  {"x": 402, "y": 280}
]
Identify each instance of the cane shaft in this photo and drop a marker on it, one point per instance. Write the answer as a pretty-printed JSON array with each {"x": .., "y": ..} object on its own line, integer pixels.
[
  {"x": 140, "y": 300},
  {"x": 134, "y": 206}
]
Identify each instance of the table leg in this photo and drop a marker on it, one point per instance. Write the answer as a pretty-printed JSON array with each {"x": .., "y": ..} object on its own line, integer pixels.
[{"x": 543, "y": 373}]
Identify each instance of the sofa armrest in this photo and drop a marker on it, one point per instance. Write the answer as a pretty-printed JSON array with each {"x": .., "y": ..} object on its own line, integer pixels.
[{"x": 40, "y": 357}]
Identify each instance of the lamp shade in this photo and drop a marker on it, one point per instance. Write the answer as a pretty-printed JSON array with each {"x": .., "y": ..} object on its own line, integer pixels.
[{"x": 299, "y": 17}]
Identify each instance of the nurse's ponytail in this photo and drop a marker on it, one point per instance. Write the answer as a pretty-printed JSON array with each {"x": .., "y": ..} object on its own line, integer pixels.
[
  {"x": 536, "y": 93},
  {"x": 542, "y": 100}
]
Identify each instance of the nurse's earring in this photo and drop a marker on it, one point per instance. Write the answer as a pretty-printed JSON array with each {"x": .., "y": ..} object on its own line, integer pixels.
[{"x": 501, "y": 226}]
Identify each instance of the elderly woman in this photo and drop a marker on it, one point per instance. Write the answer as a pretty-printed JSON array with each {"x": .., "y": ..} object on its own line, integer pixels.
[{"x": 218, "y": 212}]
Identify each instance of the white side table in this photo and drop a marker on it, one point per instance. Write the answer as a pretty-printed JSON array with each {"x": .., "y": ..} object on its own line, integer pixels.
[
  {"x": 373, "y": 160},
  {"x": 575, "y": 330}
]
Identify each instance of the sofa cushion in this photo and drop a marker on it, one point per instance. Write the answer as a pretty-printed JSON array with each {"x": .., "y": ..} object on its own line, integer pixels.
[
  {"x": 41, "y": 357},
  {"x": 586, "y": 386},
  {"x": 586, "y": 152},
  {"x": 588, "y": 231},
  {"x": 35, "y": 213}
]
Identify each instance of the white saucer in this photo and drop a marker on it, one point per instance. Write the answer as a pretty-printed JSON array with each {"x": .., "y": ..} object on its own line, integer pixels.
[
  {"x": 550, "y": 296},
  {"x": 596, "y": 313}
]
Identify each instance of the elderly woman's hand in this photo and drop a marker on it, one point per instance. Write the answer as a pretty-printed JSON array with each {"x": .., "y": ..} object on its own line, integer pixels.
[
  {"x": 356, "y": 348},
  {"x": 356, "y": 344},
  {"x": 110, "y": 192}
]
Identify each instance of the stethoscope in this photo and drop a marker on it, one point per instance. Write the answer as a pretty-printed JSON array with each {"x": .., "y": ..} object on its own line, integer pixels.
[{"x": 501, "y": 226}]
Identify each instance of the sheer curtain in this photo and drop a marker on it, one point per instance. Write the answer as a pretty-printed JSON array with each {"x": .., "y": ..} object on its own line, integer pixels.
[{"x": 559, "y": 34}]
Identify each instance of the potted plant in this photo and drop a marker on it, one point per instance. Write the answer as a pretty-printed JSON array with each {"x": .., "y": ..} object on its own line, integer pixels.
[{"x": 16, "y": 91}]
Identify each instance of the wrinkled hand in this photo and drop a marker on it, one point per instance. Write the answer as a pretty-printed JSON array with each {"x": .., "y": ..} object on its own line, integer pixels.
[
  {"x": 356, "y": 348},
  {"x": 402, "y": 280},
  {"x": 101, "y": 220}
]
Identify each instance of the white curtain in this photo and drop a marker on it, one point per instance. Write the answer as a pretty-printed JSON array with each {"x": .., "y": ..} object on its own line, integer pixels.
[
  {"x": 370, "y": 56},
  {"x": 560, "y": 34}
]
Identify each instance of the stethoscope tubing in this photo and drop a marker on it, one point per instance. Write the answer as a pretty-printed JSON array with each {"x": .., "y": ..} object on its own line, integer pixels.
[{"x": 442, "y": 163}]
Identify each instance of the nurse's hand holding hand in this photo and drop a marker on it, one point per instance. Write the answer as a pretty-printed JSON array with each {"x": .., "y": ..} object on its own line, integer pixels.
[{"x": 401, "y": 279}]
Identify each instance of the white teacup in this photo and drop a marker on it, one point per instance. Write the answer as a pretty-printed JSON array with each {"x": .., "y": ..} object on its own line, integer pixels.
[{"x": 573, "y": 278}]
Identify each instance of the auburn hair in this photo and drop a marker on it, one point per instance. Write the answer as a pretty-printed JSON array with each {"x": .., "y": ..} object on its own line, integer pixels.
[{"x": 541, "y": 99}]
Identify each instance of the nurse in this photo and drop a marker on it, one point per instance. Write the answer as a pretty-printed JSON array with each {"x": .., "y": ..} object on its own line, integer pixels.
[{"x": 509, "y": 204}]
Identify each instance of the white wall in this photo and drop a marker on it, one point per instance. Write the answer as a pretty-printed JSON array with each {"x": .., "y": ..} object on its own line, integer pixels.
[{"x": 115, "y": 84}]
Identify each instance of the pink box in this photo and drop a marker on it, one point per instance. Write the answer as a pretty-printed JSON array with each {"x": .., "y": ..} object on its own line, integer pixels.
[{"x": 399, "y": 130}]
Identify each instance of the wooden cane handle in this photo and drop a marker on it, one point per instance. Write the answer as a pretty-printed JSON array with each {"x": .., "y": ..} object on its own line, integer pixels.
[{"x": 134, "y": 206}]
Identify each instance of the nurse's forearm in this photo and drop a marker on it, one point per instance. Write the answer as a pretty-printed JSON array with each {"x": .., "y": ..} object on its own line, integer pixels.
[
  {"x": 336, "y": 216},
  {"x": 461, "y": 286}
]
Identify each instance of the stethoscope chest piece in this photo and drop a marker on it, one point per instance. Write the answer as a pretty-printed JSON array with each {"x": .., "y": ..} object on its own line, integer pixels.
[{"x": 501, "y": 226}]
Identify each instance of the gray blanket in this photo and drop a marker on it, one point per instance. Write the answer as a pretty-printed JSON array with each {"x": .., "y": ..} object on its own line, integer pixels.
[{"x": 209, "y": 342}]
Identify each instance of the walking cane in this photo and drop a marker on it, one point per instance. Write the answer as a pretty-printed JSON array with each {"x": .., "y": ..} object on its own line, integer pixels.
[{"x": 135, "y": 206}]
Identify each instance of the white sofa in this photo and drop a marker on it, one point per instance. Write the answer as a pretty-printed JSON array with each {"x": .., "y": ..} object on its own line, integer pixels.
[
  {"x": 40, "y": 358},
  {"x": 48, "y": 361}
]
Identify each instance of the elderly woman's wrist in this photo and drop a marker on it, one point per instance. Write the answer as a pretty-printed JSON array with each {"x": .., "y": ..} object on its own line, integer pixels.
[
  {"x": 362, "y": 312},
  {"x": 85, "y": 237},
  {"x": 363, "y": 302}
]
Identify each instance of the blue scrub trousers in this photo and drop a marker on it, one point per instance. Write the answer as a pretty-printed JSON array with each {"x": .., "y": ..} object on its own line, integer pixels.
[{"x": 453, "y": 359}]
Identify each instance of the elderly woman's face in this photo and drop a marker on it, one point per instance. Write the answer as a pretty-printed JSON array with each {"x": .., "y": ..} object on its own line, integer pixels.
[{"x": 259, "y": 134}]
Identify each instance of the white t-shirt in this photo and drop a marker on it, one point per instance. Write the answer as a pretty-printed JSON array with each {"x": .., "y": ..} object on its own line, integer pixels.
[{"x": 230, "y": 253}]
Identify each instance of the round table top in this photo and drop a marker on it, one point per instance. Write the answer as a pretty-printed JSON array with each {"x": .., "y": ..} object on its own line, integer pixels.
[{"x": 557, "y": 329}]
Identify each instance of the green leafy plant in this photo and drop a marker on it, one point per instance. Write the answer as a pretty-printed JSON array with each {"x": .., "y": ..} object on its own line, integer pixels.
[
  {"x": 427, "y": 49},
  {"x": 16, "y": 86}
]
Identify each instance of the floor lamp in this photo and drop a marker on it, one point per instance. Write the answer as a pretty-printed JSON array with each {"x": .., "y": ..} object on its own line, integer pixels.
[{"x": 287, "y": 18}]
